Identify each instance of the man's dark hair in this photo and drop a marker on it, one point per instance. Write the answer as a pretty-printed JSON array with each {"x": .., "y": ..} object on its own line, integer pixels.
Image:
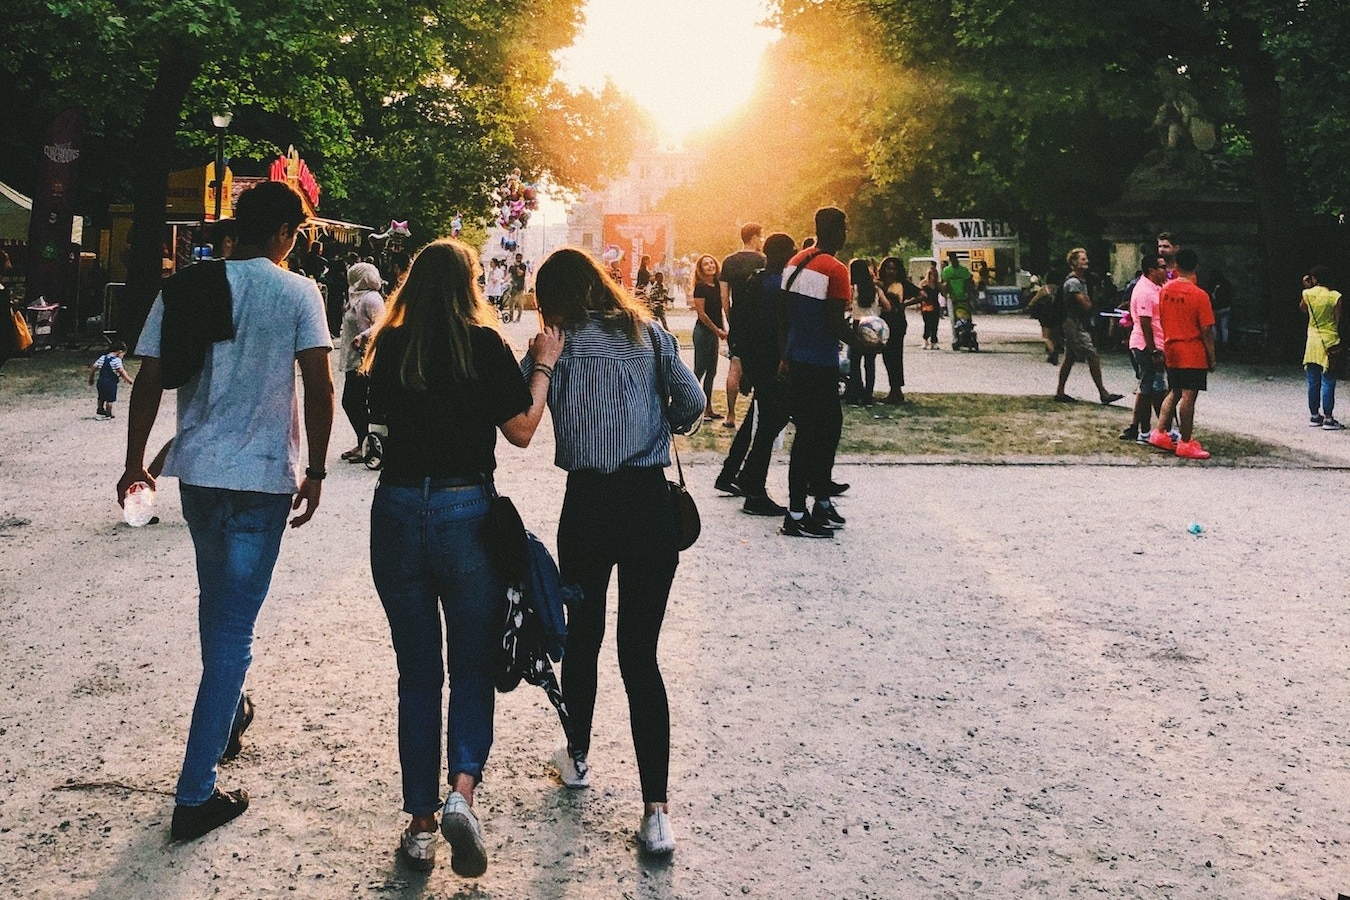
[
  {"x": 1151, "y": 260},
  {"x": 1169, "y": 236},
  {"x": 264, "y": 208},
  {"x": 831, "y": 229},
  {"x": 117, "y": 347},
  {"x": 1320, "y": 274},
  {"x": 778, "y": 249},
  {"x": 1187, "y": 259},
  {"x": 224, "y": 230},
  {"x": 809, "y": 242},
  {"x": 749, "y": 230}
]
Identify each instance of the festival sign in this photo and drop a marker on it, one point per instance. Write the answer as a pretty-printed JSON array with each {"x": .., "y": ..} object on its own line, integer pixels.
[
  {"x": 293, "y": 170},
  {"x": 51, "y": 256},
  {"x": 634, "y": 236}
]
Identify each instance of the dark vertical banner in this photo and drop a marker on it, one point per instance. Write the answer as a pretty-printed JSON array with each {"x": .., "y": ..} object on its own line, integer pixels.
[{"x": 51, "y": 258}]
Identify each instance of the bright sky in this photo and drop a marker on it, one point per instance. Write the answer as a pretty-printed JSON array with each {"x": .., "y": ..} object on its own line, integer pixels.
[{"x": 690, "y": 62}]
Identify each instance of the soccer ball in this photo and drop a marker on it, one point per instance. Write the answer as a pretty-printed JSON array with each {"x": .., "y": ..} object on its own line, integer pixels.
[{"x": 873, "y": 332}]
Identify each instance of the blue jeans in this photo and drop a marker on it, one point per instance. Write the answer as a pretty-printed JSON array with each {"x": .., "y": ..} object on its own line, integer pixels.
[
  {"x": 237, "y": 535},
  {"x": 427, "y": 554},
  {"x": 706, "y": 345},
  {"x": 1321, "y": 390}
]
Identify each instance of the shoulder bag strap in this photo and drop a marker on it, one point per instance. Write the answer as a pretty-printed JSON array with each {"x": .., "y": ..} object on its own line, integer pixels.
[
  {"x": 1312, "y": 317},
  {"x": 801, "y": 265},
  {"x": 664, "y": 396}
]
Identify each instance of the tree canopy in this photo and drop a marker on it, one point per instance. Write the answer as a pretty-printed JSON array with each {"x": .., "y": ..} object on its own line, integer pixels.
[
  {"x": 1036, "y": 111},
  {"x": 414, "y": 110}
]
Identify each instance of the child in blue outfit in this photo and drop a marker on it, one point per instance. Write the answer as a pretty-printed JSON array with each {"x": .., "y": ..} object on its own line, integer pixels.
[{"x": 106, "y": 371}]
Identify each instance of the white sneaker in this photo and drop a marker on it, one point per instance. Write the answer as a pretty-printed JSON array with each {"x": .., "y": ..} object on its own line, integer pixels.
[
  {"x": 419, "y": 849},
  {"x": 654, "y": 833},
  {"x": 468, "y": 856},
  {"x": 575, "y": 773}
]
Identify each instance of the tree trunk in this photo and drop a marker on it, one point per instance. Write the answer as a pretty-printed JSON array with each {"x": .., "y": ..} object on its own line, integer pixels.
[
  {"x": 1256, "y": 74},
  {"x": 178, "y": 68}
]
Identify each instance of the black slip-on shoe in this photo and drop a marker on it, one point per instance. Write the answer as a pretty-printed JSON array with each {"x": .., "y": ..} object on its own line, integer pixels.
[{"x": 191, "y": 822}]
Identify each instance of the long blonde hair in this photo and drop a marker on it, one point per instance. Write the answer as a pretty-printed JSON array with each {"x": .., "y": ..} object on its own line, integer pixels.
[
  {"x": 438, "y": 303},
  {"x": 570, "y": 285}
]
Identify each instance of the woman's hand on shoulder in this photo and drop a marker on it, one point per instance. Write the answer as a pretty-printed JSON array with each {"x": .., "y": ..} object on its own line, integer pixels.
[{"x": 547, "y": 345}]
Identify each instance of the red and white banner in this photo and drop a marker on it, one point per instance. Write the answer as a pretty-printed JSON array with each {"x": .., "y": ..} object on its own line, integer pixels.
[{"x": 635, "y": 236}]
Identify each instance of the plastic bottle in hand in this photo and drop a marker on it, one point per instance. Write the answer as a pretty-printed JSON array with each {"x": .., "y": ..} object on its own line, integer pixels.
[{"x": 139, "y": 506}]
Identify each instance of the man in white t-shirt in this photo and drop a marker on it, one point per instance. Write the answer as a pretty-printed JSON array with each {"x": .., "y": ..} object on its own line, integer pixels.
[{"x": 235, "y": 453}]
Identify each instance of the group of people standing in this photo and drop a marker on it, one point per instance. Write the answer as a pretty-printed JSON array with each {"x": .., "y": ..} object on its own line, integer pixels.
[
  {"x": 504, "y": 283},
  {"x": 787, "y": 309},
  {"x": 1171, "y": 342},
  {"x": 444, "y": 380}
]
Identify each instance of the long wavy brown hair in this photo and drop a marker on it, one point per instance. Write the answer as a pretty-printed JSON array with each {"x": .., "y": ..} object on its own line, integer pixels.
[
  {"x": 438, "y": 303},
  {"x": 570, "y": 285}
]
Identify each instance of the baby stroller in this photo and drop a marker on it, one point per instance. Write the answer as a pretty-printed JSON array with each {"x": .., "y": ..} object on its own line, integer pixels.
[{"x": 963, "y": 332}]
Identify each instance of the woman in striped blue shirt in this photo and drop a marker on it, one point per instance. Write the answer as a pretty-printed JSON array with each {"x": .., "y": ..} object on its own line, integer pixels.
[{"x": 612, "y": 422}]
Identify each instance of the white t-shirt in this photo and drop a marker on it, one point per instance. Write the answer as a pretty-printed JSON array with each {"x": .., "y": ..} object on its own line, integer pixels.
[{"x": 239, "y": 417}]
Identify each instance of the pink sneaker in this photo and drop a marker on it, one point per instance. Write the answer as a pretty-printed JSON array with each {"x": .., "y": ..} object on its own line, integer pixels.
[
  {"x": 1162, "y": 440},
  {"x": 1191, "y": 450}
]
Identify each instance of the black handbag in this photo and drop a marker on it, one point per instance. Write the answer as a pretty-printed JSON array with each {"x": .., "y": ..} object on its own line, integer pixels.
[{"x": 687, "y": 521}]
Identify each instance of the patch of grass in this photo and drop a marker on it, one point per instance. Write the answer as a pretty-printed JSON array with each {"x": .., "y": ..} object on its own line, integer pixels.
[
  {"x": 988, "y": 426},
  {"x": 51, "y": 373}
]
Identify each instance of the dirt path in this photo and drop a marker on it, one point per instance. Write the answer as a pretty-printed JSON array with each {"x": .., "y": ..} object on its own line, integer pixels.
[{"x": 999, "y": 681}]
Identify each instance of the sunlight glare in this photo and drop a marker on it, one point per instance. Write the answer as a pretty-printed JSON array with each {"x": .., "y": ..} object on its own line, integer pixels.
[{"x": 690, "y": 63}]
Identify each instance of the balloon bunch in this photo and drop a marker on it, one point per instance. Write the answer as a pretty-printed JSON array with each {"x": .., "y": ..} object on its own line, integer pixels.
[
  {"x": 396, "y": 231},
  {"x": 516, "y": 199}
]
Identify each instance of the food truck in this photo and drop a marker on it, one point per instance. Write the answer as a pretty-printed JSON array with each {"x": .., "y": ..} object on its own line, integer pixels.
[{"x": 982, "y": 245}]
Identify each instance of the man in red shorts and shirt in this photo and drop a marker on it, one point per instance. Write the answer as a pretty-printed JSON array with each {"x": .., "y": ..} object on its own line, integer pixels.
[{"x": 1188, "y": 349}]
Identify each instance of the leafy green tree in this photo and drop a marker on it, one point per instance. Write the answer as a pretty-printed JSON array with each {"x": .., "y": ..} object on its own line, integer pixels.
[
  {"x": 403, "y": 109},
  {"x": 1039, "y": 110}
]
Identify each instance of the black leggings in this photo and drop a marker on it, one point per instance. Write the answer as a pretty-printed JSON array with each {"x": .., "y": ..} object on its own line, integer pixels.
[
  {"x": 930, "y": 325},
  {"x": 624, "y": 519},
  {"x": 893, "y": 356},
  {"x": 354, "y": 403},
  {"x": 813, "y": 397}
]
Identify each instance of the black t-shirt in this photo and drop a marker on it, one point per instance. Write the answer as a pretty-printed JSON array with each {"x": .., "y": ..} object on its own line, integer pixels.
[
  {"x": 736, "y": 271},
  {"x": 450, "y": 429},
  {"x": 712, "y": 300},
  {"x": 518, "y": 276}
]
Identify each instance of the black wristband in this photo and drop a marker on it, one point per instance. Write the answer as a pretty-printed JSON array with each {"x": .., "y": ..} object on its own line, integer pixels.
[{"x": 316, "y": 474}]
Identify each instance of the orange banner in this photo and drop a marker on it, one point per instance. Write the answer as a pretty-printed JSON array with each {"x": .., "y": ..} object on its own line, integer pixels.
[{"x": 627, "y": 238}]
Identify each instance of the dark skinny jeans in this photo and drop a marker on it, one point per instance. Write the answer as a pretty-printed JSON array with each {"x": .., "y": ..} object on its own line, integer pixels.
[
  {"x": 624, "y": 519},
  {"x": 748, "y": 459},
  {"x": 813, "y": 398},
  {"x": 354, "y": 389}
]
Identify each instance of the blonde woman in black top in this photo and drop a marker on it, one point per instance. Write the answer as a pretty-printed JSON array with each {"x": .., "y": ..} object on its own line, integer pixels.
[{"x": 444, "y": 381}]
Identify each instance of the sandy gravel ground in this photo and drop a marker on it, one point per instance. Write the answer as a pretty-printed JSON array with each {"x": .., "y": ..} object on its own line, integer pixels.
[{"x": 999, "y": 681}]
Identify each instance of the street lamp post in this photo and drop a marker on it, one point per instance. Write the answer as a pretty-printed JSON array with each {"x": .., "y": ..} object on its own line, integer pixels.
[{"x": 222, "y": 123}]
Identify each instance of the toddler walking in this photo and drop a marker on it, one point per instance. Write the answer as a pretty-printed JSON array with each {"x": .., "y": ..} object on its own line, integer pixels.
[{"x": 106, "y": 371}]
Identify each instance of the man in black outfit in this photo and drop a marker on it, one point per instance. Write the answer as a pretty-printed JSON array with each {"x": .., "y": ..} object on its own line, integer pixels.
[{"x": 757, "y": 343}]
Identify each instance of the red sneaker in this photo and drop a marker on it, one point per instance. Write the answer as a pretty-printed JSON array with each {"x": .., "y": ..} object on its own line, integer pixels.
[
  {"x": 1162, "y": 440},
  {"x": 1191, "y": 450}
]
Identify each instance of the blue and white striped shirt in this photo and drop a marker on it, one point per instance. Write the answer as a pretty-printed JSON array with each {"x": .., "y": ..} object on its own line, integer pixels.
[{"x": 605, "y": 404}]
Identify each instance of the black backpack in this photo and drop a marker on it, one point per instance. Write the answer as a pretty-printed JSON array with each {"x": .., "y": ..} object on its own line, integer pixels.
[
  {"x": 747, "y": 303},
  {"x": 1058, "y": 309}
]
